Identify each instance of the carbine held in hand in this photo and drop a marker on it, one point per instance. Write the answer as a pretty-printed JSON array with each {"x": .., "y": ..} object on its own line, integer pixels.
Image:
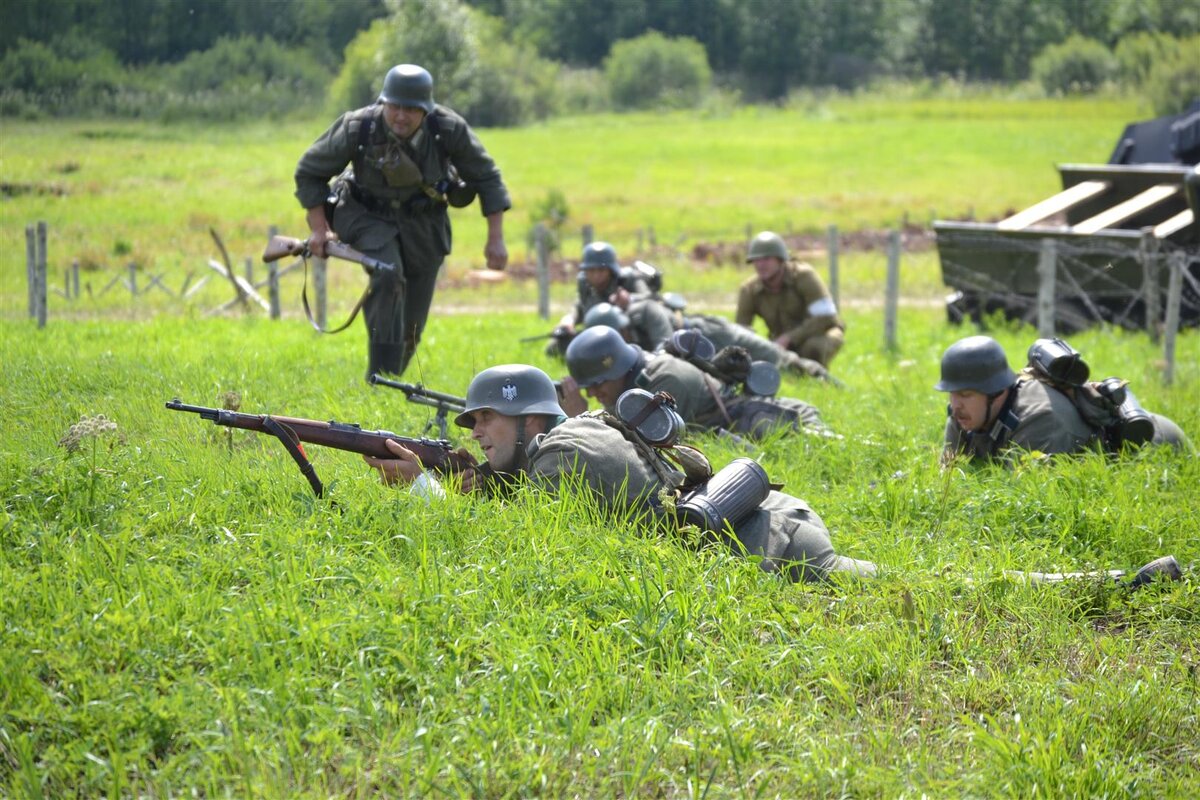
[{"x": 435, "y": 454}]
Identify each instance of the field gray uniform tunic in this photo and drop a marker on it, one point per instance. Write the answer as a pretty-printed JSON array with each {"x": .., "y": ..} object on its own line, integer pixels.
[
  {"x": 590, "y": 297},
  {"x": 696, "y": 399},
  {"x": 625, "y": 479},
  {"x": 372, "y": 216},
  {"x": 1047, "y": 421}
]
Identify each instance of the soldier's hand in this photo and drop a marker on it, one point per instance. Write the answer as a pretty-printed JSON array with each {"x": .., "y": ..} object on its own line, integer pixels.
[
  {"x": 570, "y": 398},
  {"x": 318, "y": 223},
  {"x": 404, "y": 468},
  {"x": 620, "y": 298},
  {"x": 496, "y": 253}
]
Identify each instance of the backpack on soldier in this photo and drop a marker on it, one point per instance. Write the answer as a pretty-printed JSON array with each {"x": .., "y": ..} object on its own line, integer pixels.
[{"x": 1107, "y": 406}]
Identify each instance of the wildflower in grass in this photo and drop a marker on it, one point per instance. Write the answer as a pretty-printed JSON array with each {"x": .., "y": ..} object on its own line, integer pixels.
[{"x": 89, "y": 428}]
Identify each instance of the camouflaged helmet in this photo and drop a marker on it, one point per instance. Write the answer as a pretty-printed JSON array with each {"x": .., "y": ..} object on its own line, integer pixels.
[
  {"x": 408, "y": 85},
  {"x": 606, "y": 314},
  {"x": 977, "y": 363},
  {"x": 512, "y": 390},
  {"x": 599, "y": 354},
  {"x": 600, "y": 255},
  {"x": 767, "y": 244}
]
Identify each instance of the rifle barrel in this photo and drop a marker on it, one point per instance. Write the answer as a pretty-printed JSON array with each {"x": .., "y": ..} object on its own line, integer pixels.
[{"x": 419, "y": 394}]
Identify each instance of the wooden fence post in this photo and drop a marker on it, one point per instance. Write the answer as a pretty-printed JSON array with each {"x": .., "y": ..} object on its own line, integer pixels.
[
  {"x": 588, "y": 234},
  {"x": 273, "y": 289},
  {"x": 543, "y": 270},
  {"x": 833, "y": 264},
  {"x": 31, "y": 268},
  {"x": 1047, "y": 273},
  {"x": 892, "y": 293},
  {"x": 133, "y": 289},
  {"x": 1177, "y": 263},
  {"x": 1148, "y": 255},
  {"x": 43, "y": 284},
  {"x": 249, "y": 270},
  {"x": 75, "y": 278}
]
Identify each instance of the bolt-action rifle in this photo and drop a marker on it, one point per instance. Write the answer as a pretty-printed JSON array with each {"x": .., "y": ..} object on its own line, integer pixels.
[
  {"x": 416, "y": 393},
  {"x": 435, "y": 454},
  {"x": 281, "y": 246}
]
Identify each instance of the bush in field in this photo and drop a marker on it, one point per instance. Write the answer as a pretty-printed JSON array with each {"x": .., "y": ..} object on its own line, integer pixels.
[
  {"x": 1139, "y": 52},
  {"x": 1078, "y": 65},
  {"x": 476, "y": 69},
  {"x": 582, "y": 91},
  {"x": 653, "y": 70},
  {"x": 38, "y": 78},
  {"x": 1173, "y": 83},
  {"x": 244, "y": 62}
]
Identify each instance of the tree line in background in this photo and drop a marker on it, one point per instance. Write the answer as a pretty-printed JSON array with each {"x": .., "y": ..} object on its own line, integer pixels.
[{"x": 505, "y": 62}]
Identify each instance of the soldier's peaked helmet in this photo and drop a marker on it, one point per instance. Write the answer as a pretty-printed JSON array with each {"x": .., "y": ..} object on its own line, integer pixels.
[
  {"x": 977, "y": 363},
  {"x": 599, "y": 354},
  {"x": 408, "y": 85},
  {"x": 600, "y": 255},
  {"x": 767, "y": 244},
  {"x": 513, "y": 390}
]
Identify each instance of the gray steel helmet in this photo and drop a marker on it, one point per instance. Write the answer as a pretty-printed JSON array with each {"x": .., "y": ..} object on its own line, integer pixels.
[
  {"x": 606, "y": 314},
  {"x": 977, "y": 363},
  {"x": 767, "y": 244},
  {"x": 599, "y": 354},
  {"x": 408, "y": 85},
  {"x": 512, "y": 390},
  {"x": 600, "y": 254}
]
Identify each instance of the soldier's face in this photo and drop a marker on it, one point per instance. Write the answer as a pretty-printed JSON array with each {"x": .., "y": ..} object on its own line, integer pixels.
[
  {"x": 597, "y": 278},
  {"x": 497, "y": 438},
  {"x": 403, "y": 120},
  {"x": 608, "y": 391},
  {"x": 769, "y": 269},
  {"x": 969, "y": 409}
]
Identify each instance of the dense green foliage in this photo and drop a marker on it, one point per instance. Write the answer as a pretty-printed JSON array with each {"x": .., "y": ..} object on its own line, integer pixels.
[
  {"x": 1078, "y": 65},
  {"x": 653, "y": 71},
  {"x": 505, "y": 62},
  {"x": 179, "y": 617}
]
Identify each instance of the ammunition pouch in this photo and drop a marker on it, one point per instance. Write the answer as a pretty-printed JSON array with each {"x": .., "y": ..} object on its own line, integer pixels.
[{"x": 726, "y": 499}]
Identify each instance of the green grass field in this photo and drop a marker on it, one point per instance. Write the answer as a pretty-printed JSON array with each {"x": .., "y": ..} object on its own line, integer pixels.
[{"x": 179, "y": 616}]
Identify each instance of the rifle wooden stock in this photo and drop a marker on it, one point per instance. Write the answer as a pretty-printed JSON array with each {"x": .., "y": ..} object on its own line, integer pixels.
[
  {"x": 435, "y": 454},
  {"x": 280, "y": 246}
]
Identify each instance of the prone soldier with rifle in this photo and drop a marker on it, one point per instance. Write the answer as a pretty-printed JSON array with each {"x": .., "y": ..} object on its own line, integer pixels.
[{"x": 631, "y": 463}]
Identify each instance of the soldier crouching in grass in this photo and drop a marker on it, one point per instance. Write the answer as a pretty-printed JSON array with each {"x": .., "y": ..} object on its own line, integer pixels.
[
  {"x": 603, "y": 364},
  {"x": 1051, "y": 407},
  {"x": 409, "y": 160},
  {"x": 632, "y": 468}
]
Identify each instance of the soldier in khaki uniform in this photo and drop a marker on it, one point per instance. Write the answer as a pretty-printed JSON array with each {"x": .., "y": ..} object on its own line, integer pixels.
[
  {"x": 991, "y": 409},
  {"x": 792, "y": 301},
  {"x": 601, "y": 362},
  {"x": 512, "y": 413},
  {"x": 409, "y": 159}
]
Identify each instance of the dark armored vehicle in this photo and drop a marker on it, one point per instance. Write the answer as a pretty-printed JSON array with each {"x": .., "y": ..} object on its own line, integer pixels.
[{"x": 1115, "y": 228}]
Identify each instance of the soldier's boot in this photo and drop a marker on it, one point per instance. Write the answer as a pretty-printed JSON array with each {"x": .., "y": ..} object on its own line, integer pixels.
[
  {"x": 1166, "y": 565},
  {"x": 385, "y": 359}
]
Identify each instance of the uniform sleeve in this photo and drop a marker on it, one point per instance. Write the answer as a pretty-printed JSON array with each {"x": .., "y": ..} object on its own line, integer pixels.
[
  {"x": 1048, "y": 432},
  {"x": 655, "y": 323},
  {"x": 809, "y": 289},
  {"x": 476, "y": 167},
  {"x": 691, "y": 388},
  {"x": 745, "y": 306},
  {"x": 325, "y": 159}
]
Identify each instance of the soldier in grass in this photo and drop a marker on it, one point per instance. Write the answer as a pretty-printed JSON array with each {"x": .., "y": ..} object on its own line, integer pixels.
[
  {"x": 600, "y": 278},
  {"x": 603, "y": 364},
  {"x": 633, "y": 468},
  {"x": 408, "y": 160},
  {"x": 1051, "y": 407},
  {"x": 513, "y": 414},
  {"x": 649, "y": 322},
  {"x": 792, "y": 300}
]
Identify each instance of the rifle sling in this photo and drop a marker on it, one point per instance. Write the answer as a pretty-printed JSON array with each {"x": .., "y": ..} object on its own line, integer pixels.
[
  {"x": 308, "y": 311},
  {"x": 291, "y": 443}
]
